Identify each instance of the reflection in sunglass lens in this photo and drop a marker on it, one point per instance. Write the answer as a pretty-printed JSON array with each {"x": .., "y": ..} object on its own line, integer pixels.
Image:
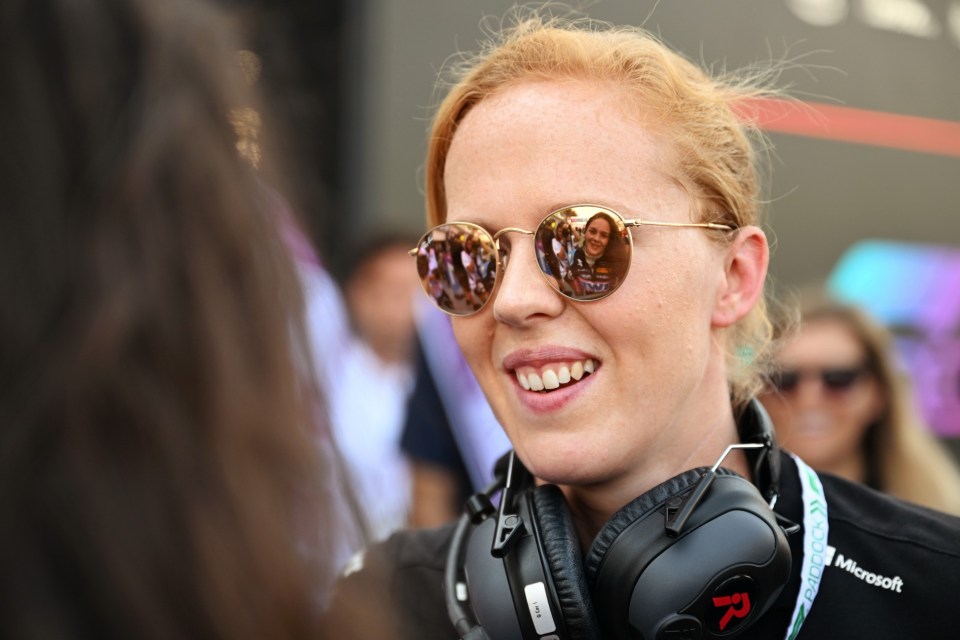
[
  {"x": 457, "y": 264},
  {"x": 584, "y": 251}
]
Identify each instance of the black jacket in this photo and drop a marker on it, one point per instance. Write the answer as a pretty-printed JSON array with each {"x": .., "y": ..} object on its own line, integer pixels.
[
  {"x": 892, "y": 571},
  {"x": 594, "y": 280}
]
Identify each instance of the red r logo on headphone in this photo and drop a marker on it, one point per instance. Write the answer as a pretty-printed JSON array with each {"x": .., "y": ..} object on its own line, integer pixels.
[{"x": 739, "y": 607}]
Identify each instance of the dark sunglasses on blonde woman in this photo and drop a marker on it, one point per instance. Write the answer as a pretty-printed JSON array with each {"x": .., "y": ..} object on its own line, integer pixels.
[
  {"x": 836, "y": 380},
  {"x": 583, "y": 251}
]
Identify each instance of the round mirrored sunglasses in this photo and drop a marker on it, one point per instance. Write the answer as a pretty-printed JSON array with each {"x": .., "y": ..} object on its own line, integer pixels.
[{"x": 583, "y": 251}]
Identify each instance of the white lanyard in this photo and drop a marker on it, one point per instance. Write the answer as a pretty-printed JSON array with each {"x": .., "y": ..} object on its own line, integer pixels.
[{"x": 815, "y": 527}]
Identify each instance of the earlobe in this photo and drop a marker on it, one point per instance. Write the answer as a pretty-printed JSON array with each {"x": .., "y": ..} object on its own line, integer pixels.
[{"x": 745, "y": 271}]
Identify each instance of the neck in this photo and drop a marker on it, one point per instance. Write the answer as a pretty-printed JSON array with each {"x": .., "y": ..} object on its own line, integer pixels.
[
  {"x": 593, "y": 506},
  {"x": 693, "y": 432}
]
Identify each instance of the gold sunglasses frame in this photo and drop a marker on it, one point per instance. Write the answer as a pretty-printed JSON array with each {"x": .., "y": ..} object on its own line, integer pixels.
[{"x": 495, "y": 237}]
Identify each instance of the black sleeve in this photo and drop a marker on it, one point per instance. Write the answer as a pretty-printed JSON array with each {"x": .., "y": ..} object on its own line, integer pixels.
[
  {"x": 397, "y": 593},
  {"x": 427, "y": 434}
]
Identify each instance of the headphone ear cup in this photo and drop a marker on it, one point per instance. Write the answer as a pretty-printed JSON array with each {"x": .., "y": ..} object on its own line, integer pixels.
[
  {"x": 636, "y": 509},
  {"x": 560, "y": 547},
  {"x": 712, "y": 580}
]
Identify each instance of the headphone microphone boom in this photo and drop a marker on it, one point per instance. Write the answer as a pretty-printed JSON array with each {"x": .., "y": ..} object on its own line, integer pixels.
[{"x": 702, "y": 555}]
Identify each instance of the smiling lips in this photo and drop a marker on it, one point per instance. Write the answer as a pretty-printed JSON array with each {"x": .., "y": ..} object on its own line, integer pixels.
[{"x": 553, "y": 376}]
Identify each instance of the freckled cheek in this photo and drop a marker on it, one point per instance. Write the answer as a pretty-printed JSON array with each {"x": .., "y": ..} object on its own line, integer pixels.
[
  {"x": 463, "y": 334},
  {"x": 661, "y": 314},
  {"x": 475, "y": 340},
  {"x": 657, "y": 298},
  {"x": 684, "y": 291}
]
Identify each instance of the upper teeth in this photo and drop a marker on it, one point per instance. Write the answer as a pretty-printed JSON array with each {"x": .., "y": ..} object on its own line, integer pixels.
[{"x": 553, "y": 375}]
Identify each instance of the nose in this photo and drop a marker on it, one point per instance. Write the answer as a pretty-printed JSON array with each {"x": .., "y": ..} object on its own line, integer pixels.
[
  {"x": 524, "y": 296},
  {"x": 809, "y": 391}
]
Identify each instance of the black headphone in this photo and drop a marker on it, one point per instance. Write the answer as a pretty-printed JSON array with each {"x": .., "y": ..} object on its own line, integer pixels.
[{"x": 702, "y": 555}]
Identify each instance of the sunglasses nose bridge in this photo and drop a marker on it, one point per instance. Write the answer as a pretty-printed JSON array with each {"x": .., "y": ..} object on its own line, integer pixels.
[
  {"x": 809, "y": 386},
  {"x": 523, "y": 291},
  {"x": 506, "y": 255},
  {"x": 502, "y": 257},
  {"x": 496, "y": 236}
]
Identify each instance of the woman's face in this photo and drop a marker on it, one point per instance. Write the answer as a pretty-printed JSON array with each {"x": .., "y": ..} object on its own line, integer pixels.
[
  {"x": 596, "y": 238},
  {"x": 824, "y": 426},
  {"x": 631, "y": 372}
]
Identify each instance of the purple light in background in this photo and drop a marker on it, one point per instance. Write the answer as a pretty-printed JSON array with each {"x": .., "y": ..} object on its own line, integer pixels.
[{"x": 917, "y": 287}]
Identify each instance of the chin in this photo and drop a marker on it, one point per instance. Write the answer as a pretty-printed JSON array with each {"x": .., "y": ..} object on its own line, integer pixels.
[{"x": 561, "y": 468}]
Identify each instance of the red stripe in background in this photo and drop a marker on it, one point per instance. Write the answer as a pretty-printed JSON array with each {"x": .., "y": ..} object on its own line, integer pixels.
[{"x": 847, "y": 124}]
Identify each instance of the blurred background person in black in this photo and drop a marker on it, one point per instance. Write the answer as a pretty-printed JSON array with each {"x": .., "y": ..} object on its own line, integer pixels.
[
  {"x": 439, "y": 482},
  {"x": 159, "y": 426},
  {"x": 841, "y": 401}
]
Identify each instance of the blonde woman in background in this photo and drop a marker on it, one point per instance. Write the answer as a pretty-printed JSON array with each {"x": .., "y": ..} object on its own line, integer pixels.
[{"x": 842, "y": 402}]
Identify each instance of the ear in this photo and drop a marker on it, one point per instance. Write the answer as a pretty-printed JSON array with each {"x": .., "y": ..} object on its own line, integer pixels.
[{"x": 745, "y": 271}]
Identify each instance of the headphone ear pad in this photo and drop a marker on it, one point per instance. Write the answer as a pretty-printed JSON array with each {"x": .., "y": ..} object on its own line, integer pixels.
[
  {"x": 636, "y": 509},
  {"x": 560, "y": 547}
]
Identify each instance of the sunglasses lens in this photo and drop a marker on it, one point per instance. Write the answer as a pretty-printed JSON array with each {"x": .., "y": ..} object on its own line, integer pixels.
[
  {"x": 786, "y": 381},
  {"x": 583, "y": 251},
  {"x": 833, "y": 380},
  {"x": 457, "y": 264},
  {"x": 839, "y": 379}
]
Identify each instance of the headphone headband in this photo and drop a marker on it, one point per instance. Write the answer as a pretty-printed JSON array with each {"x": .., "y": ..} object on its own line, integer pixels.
[{"x": 755, "y": 426}]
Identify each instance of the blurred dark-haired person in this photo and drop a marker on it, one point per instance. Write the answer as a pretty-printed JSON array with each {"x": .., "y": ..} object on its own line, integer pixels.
[
  {"x": 157, "y": 426},
  {"x": 842, "y": 401}
]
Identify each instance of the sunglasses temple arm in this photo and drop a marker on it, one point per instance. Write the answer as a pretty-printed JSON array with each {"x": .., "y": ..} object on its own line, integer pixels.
[{"x": 704, "y": 225}]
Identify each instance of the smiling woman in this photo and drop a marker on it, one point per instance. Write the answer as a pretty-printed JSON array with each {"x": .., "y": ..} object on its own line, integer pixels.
[{"x": 645, "y": 495}]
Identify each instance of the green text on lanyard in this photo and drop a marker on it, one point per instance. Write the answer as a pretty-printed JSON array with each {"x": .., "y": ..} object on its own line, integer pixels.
[{"x": 815, "y": 527}]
